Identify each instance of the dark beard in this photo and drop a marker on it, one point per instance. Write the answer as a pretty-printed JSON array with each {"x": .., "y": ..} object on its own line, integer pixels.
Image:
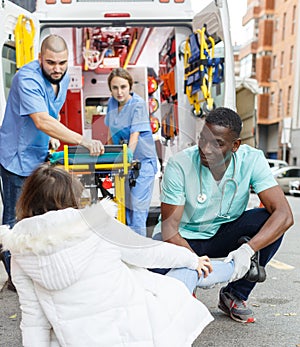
[{"x": 50, "y": 79}]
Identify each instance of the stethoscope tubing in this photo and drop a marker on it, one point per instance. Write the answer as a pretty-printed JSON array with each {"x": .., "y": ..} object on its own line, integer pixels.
[{"x": 202, "y": 196}]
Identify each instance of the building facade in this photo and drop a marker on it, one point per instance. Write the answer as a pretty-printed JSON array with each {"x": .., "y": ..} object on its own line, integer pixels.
[{"x": 269, "y": 54}]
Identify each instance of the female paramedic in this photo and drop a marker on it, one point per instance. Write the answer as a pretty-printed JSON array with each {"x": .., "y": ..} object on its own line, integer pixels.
[{"x": 128, "y": 122}]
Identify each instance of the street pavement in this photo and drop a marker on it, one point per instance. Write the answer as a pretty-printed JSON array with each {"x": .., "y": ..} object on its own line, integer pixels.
[{"x": 276, "y": 304}]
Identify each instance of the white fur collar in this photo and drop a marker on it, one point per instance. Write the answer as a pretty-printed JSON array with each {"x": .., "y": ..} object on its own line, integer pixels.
[{"x": 52, "y": 229}]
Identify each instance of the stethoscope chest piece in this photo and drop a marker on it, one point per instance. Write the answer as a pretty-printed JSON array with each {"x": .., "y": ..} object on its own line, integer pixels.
[{"x": 201, "y": 198}]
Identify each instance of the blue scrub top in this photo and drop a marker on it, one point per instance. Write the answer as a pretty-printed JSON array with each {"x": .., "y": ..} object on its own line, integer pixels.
[
  {"x": 22, "y": 146},
  {"x": 132, "y": 118},
  {"x": 181, "y": 186}
]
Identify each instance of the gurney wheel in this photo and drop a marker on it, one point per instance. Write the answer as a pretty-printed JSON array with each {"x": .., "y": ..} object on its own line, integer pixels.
[
  {"x": 197, "y": 114},
  {"x": 206, "y": 109}
]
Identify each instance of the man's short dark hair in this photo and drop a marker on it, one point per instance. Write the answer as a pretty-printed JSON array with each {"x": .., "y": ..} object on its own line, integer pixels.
[
  {"x": 227, "y": 118},
  {"x": 54, "y": 43}
]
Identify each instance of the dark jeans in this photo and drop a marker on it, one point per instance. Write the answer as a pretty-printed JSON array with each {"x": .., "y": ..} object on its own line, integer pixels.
[
  {"x": 226, "y": 240},
  {"x": 11, "y": 185}
]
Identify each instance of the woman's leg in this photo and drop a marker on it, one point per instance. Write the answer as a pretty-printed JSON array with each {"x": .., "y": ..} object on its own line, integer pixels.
[{"x": 221, "y": 273}]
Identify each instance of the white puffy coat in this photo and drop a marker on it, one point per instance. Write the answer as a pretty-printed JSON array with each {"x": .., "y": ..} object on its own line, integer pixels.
[{"x": 82, "y": 282}]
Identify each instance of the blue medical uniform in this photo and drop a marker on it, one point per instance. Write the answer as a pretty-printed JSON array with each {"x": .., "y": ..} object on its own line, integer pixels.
[
  {"x": 181, "y": 186},
  {"x": 23, "y": 147},
  {"x": 134, "y": 118}
]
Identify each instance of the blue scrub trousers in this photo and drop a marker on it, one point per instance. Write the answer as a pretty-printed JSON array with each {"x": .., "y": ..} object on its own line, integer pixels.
[{"x": 138, "y": 198}]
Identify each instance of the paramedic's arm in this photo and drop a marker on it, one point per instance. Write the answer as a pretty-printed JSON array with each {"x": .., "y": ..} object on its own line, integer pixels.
[
  {"x": 171, "y": 217},
  {"x": 53, "y": 142},
  {"x": 281, "y": 218},
  {"x": 34, "y": 325},
  {"x": 57, "y": 130},
  {"x": 133, "y": 140}
]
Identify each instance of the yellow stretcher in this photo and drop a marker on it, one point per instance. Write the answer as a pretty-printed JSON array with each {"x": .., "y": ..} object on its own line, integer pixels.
[
  {"x": 117, "y": 161},
  {"x": 24, "y": 34},
  {"x": 202, "y": 70}
]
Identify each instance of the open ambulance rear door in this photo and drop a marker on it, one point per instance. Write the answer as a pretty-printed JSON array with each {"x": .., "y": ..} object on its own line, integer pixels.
[
  {"x": 19, "y": 44},
  {"x": 216, "y": 17}
]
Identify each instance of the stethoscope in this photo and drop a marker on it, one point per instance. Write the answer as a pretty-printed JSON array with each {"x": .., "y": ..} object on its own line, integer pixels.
[{"x": 202, "y": 197}]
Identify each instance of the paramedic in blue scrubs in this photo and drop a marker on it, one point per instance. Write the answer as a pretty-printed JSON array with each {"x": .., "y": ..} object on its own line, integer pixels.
[
  {"x": 128, "y": 122},
  {"x": 31, "y": 122},
  {"x": 205, "y": 192}
]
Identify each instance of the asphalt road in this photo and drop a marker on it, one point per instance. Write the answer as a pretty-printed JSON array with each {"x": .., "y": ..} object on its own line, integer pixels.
[{"x": 276, "y": 304}]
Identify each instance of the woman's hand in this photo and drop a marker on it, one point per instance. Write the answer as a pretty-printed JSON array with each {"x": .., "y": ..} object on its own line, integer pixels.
[{"x": 204, "y": 266}]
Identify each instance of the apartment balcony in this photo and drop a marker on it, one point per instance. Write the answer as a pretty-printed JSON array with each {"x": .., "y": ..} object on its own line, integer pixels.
[
  {"x": 263, "y": 70},
  {"x": 252, "y": 12},
  {"x": 267, "y": 6},
  {"x": 265, "y": 115},
  {"x": 265, "y": 36},
  {"x": 248, "y": 48},
  {"x": 263, "y": 108}
]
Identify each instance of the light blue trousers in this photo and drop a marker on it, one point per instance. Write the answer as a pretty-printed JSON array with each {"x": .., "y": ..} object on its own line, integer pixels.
[
  {"x": 222, "y": 272},
  {"x": 138, "y": 199}
]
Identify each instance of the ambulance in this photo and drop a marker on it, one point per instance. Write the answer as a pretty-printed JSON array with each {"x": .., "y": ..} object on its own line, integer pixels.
[{"x": 179, "y": 53}]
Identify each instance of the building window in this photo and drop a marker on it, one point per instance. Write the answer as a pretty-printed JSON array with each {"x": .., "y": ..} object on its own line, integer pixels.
[
  {"x": 294, "y": 20},
  {"x": 272, "y": 98},
  {"x": 279, "y": 108},
  {"x": 291, "y": 60},
  {"x": 274, "y": 61},
  {"x": 283, "y": 25},
  {"x": 253, "y": 65},
  {"x": 246, "y": 67},
  {"x": 281, "y": 64},
  {"x": 288, "y": 107},
  {"x": 276, "y": 26}
]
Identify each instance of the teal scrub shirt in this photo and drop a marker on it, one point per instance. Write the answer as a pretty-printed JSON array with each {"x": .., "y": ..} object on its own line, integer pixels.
[{"x": 181, "y": 186}]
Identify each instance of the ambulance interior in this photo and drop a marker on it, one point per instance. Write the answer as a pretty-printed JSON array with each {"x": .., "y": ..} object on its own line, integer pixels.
[{"x": 154, "y": 55}]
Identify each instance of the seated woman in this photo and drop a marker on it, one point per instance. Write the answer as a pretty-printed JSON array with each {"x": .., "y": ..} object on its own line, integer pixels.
[{"x": 81, "y": 275}]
